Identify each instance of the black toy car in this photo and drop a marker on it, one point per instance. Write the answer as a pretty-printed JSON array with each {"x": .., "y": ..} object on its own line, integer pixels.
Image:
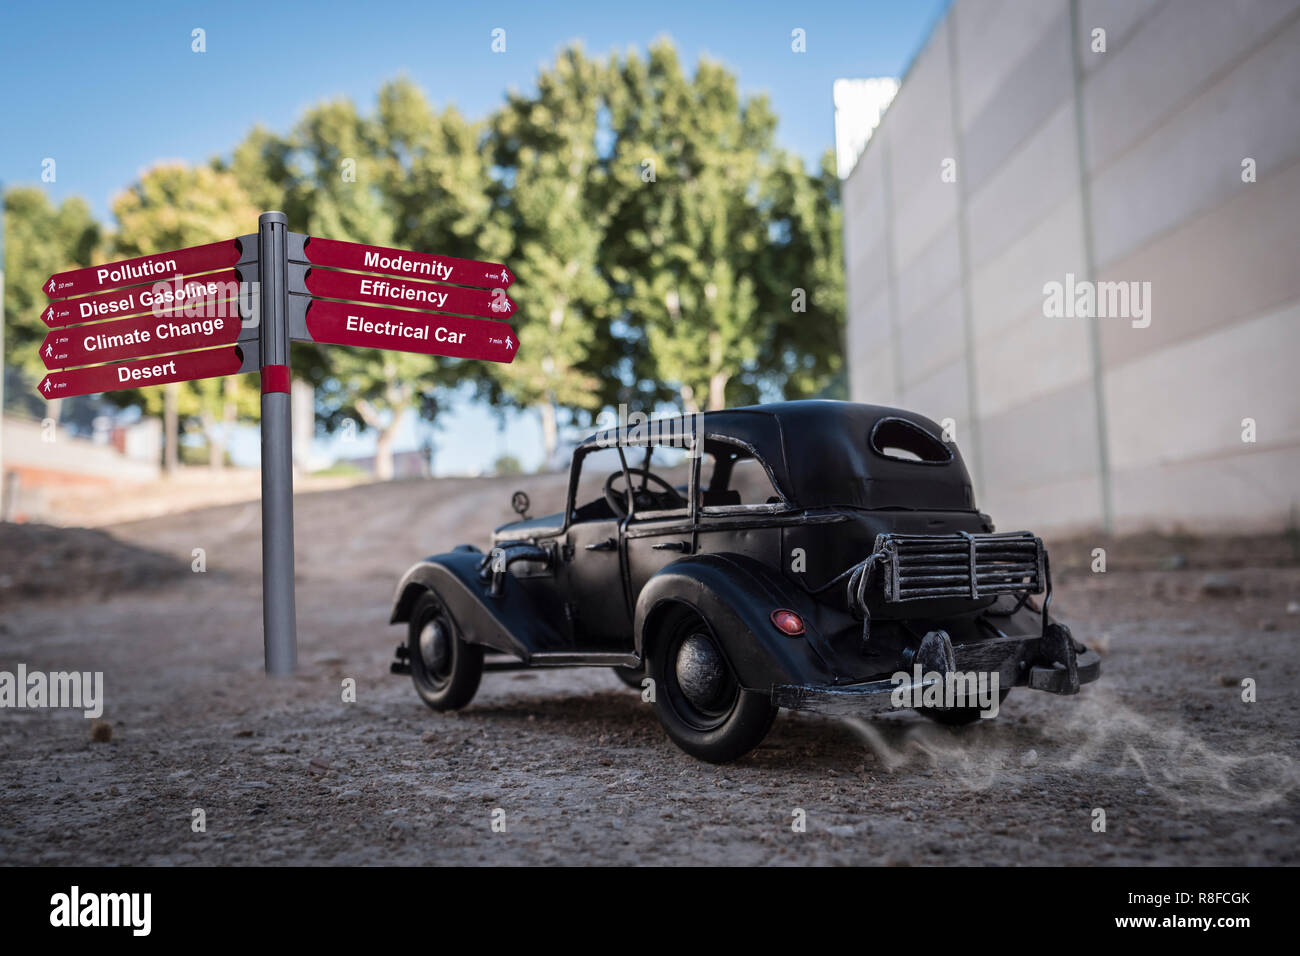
[{"x": 814, "y": 555}]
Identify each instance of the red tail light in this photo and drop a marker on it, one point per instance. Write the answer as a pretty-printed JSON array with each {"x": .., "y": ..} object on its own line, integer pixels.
[{"x": 787, "y": 622}]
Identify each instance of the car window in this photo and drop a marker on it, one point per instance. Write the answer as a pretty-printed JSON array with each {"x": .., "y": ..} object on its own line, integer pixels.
[
  {"x": 902, "y": 440},
  {"x": 731, "y": 476},
  {"x": 595, "y": 467},
  {"x": 670, "y": 463}
]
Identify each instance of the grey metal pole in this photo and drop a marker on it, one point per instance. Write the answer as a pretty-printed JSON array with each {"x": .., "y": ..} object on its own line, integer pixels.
[{"x": 279, "y": 624}]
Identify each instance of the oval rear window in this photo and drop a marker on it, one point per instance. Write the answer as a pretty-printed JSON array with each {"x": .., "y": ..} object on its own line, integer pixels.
[{"x": 902, "y": 440}]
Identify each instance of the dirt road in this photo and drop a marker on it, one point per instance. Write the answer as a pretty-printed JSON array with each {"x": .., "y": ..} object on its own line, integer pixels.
[{"x": 287, "y": 772}]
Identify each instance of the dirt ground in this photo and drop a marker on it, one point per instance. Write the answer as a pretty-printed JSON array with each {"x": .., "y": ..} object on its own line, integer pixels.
[{"x": 286, "y": 772}]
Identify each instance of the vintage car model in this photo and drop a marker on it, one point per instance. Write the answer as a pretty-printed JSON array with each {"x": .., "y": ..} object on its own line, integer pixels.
[{"x": 813, "y": 555}]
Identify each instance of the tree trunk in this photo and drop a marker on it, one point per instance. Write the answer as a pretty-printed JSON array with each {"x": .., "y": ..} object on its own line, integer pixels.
[
  {"x": 228, "y": 414},
  {"x": 385, "y": 434},
  {"x": 718, "y": 390},
  {"x": 216, "y": 449},
  {"x": 384, "y": 451},
  {"x": 171, "y": 427},
  {"x": 718, "y": 380},
  {"x": 550, "y": 430},
  {"x": 689, "y": 404}
]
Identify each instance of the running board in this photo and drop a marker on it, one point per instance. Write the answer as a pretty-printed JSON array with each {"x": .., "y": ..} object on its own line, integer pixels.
[
  {"x": 504, "y": 662},
  {"x": 583, "y": 659}
]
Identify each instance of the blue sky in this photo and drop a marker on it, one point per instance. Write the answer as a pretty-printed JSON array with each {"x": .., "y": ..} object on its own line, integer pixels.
[{"x": 109, "y": 89}]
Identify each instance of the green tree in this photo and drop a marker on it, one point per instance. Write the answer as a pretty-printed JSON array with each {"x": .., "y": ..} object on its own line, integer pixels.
[
  {"x": 174, "y": 205},
  {"x": 40, "y": 240},
  {"x": 507, "y": 465},
  {"x": 800, "y": 276},
  {"x": 406, "y": 176},
  {"x": 713, "y": 231},
  {"x": 553, "y": 196}
]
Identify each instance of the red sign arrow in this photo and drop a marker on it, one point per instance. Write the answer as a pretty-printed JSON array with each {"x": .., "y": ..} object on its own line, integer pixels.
[
  {"x": 417, "y": 265},
  {"x": 154, "y": 371},
  {"x": 415, "y": 295},
  {"x": 161, "y": 265},
  {"x": 110, "y": 305},
  {"x": 216, "y": 324},
  {"x": 339, "y": 323}
]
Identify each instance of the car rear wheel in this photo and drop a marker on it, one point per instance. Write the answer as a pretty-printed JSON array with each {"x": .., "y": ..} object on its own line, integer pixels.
[
  {"x": 445, "y": 669},
  {"x": 700, "y": 703}
]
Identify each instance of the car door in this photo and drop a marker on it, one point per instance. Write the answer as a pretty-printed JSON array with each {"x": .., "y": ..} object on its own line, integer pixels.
[
  {"x": 590, "y": 574},
  {"x": 653, "y": 539}
]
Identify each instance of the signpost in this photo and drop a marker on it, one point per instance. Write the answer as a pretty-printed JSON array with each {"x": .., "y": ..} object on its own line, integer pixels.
[
  {"x": 214, "y": 255},
  {"x": 186, "y": 367},
  {"x": 188, "y": 314},
  {"x": 416, "y": 265},
  {"x": 358, "y": 287},
  {"x": 215, "y": 287},
  {"x": 175, "y": 330},
  {"x": 342, "y": 323}
]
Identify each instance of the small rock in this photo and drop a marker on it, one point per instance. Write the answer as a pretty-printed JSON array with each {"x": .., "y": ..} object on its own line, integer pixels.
[
  {"x": 840, "y": 830},
  {"x": 1174, "y": 562},
  {"x": 1267, "y": 625},
  {"x": 243, "y": 733},
  {"x": 1227, "y": 680},
  {"x": 1220, "y": 586},
  {"x": 101, "y": 731},
  {"x": 255, "y": 785},
  {"x": 349, "y": 794},
  {"x": 1293, "y": 607},
  {"x": 1029, "y": 758}
]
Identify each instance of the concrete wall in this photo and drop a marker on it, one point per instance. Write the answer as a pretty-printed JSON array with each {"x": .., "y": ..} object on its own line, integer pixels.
[{"x": 1115, "y": 165}]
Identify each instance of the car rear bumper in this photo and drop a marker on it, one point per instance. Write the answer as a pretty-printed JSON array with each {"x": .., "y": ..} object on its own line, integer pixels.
[{"x": 1042, "y": 672}]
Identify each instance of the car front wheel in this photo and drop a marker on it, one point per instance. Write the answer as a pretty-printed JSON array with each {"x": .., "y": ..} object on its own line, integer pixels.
[
  {"x": 700, "y": 703},
  {"x": 445, "y": 669}
]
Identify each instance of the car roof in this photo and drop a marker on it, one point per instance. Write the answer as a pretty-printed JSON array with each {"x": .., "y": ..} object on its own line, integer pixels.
[{"x": 819, "y": 453}]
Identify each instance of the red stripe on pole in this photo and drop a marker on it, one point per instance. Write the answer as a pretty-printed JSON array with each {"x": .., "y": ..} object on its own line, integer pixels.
[{"x": 275, "y": 378}]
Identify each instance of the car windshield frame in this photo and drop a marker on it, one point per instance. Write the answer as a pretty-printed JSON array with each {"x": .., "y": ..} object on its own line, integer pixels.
[{"x": 575, "y": 470}]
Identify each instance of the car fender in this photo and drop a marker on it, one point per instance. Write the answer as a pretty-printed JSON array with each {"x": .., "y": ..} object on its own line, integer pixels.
[
  {"x": 736, "y": 595},
  {"x": 510, "y": 623}
]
